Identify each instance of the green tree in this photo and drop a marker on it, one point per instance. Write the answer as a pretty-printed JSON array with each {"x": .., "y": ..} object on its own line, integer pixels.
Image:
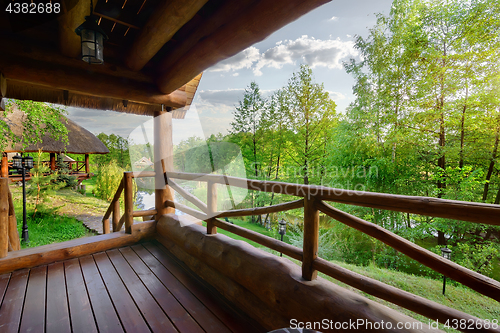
[{"x": 311, "y": 115}]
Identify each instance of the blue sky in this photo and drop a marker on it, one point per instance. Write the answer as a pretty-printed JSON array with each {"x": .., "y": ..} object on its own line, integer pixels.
[{"x": 322, "y": 39}]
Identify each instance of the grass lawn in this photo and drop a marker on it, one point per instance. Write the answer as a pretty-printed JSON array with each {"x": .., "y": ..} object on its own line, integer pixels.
[{"x": 56, "y": 219}]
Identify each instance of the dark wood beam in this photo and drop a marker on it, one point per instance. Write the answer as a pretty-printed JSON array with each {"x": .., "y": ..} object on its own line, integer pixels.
[
  {"x": 169, "y": 17},
  {"x": 69, "y": 41},
  {"x": 206, "y": 26},
  {"x": 256, "y": 23},
  {"x": 47, "y": 68}
]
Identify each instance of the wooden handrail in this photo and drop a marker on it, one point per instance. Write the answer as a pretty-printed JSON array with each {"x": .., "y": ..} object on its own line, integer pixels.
[
  {"x": 458, "y": 210},
  {"x": 188, "y": 196},
  {"x": 274, "y": 244},
  {"x": 139, "y": 213},
  {"x": 471, "y": 279},
  {"x": 185, "y": 209},
  {"x": 420, "y": 305},
  {"x": 116, "y": 198},
  {"x": 466, "y": 211},
  {"x": 114, "y": 206},
  {"x": 263, "y": 210}
]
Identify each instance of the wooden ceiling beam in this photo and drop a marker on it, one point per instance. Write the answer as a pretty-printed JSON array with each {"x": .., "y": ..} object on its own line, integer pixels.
[
  {"x": 169, "y": 17},
  {"x": 69, "y": 41},
  {"x": 256, "y": 23},
  {"x": 206, "y": 26},
  {"x": 58, "y": 73}
]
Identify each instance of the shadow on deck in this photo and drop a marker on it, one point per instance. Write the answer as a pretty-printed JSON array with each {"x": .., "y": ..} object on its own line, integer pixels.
[{"x": 139, "y": 288}]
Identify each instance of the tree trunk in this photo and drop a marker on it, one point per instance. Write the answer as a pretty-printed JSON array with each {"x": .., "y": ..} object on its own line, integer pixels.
[{"x": 492, "y": 165}]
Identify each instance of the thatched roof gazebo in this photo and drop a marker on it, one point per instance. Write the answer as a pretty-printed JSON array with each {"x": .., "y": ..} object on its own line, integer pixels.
[{"x": 80, "y": 141}]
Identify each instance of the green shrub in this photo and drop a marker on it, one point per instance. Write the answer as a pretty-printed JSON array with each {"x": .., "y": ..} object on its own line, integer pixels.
[{"x": 108, "y": 179}]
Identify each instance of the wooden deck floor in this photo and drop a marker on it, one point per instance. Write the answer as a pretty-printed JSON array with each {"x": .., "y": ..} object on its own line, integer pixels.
[{"x": 133, "y": 289}]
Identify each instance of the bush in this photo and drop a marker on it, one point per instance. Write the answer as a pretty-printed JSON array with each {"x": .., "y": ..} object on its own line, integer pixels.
[{"x": 108, "y": 179}]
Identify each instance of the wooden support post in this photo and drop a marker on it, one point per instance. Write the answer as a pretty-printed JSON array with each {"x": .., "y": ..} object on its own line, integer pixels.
[
  {"x": 311, "y": 238},
  {"x": 4, "y": 217},
  {"x": 163, "y": 157},
  {"x": 13, "y": 233},
  {"x": 116, "y": 215},
  {"x": 212, "y": 206},
  {"x": 87, "y": 167},
  {"x": 105, "y": 226},
  {"x": 5, "y": 166},
  {"x": 129, "y": 201},
  {"x": 53, "y": 161}
]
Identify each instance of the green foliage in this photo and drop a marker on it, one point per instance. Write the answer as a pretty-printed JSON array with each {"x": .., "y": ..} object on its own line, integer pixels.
[
  {"x": 63, "y": 173},
  {"x": 118, "y": 151},
  {"x": 43, "y": 182},
  {"x": 40, "y": 120},
  {"x": 108, "y": 180}
]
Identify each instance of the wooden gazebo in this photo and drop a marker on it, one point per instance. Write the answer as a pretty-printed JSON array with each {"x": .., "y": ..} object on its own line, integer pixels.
[
  {"x": 80, "y": 141},
  {"x": 170, "y": 274}
]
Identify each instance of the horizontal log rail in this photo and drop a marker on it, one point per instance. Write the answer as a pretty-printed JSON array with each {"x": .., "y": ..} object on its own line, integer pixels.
[
  {"x": 397, "y": 296},
  {"x": 457, "y": 210},
  {"x": 314, "y": 196},
  {"x": 263, "y": 210},
  {"x": 476, "y": 281},
  {"x": 127, "y": 218}
]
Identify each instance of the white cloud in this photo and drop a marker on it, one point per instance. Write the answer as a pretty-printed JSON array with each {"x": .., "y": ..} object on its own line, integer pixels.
[
  {"x": 315, "y": 52},
  {"x": 334, "y": 18},
  {"x": 236, "y": 74},
  {"x": 244, "y": 59},
  {"x": 336, "y": 96}
]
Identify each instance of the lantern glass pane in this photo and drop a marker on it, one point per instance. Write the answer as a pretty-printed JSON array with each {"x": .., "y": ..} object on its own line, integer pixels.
[
  {"x": 17, "y": 162},
  {"x": 28, "y": 162},
  {"x": 92, "y": 47}
]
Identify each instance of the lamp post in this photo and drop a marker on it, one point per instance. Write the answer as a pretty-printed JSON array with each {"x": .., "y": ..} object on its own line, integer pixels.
[
  {"x": 282, "y": 231},
  {"x": 446, "y": 253},
  {"x": 22, "y": 164}
]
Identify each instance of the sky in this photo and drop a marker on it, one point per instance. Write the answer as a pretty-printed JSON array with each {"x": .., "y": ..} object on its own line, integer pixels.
[{"x": 322, "y": 39}]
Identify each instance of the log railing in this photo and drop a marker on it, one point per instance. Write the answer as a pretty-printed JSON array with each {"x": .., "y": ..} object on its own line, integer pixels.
[
  {"x": 313, "y": 201},
  {"x": 9, "y": 236},
  {"x": 126, "y": 186}
]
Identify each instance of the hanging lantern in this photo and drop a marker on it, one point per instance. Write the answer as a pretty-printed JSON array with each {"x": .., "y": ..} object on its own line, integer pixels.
[{"x": 92, "y": 39}]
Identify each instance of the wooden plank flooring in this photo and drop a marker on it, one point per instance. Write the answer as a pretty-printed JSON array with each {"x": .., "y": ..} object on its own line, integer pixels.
[{"x": 141, "y": 288}]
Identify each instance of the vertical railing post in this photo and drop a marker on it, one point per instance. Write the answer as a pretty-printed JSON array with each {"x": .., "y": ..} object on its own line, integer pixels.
[
  {"x": 105, "y": 226},
  {"x": 311, "y": 238},
  {"x": 129, "y": 202},
  {"x": 116, "y": 214},
  {"x": 5, "y": 166},
  {"x": 163, "y": 160},
  {"x": 13, "y": 233},
  {"x": 212, "y": 206},
  {"x": 4, "y": 217}
]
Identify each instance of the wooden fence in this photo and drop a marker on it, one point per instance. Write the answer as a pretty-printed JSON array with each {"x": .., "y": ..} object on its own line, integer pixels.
[
  {"x": 9, "y": 236},
  {"x": 126, "y": 186},
  {"x": 314, "y": 200}
]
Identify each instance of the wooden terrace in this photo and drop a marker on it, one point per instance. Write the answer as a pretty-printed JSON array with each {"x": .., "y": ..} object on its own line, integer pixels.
[
  {"x": 153, "y": 62},
  {"x": 139, "y": 288}
]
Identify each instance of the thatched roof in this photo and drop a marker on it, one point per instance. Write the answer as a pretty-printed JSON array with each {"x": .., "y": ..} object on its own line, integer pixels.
[{"x": 80, "y": 141}]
